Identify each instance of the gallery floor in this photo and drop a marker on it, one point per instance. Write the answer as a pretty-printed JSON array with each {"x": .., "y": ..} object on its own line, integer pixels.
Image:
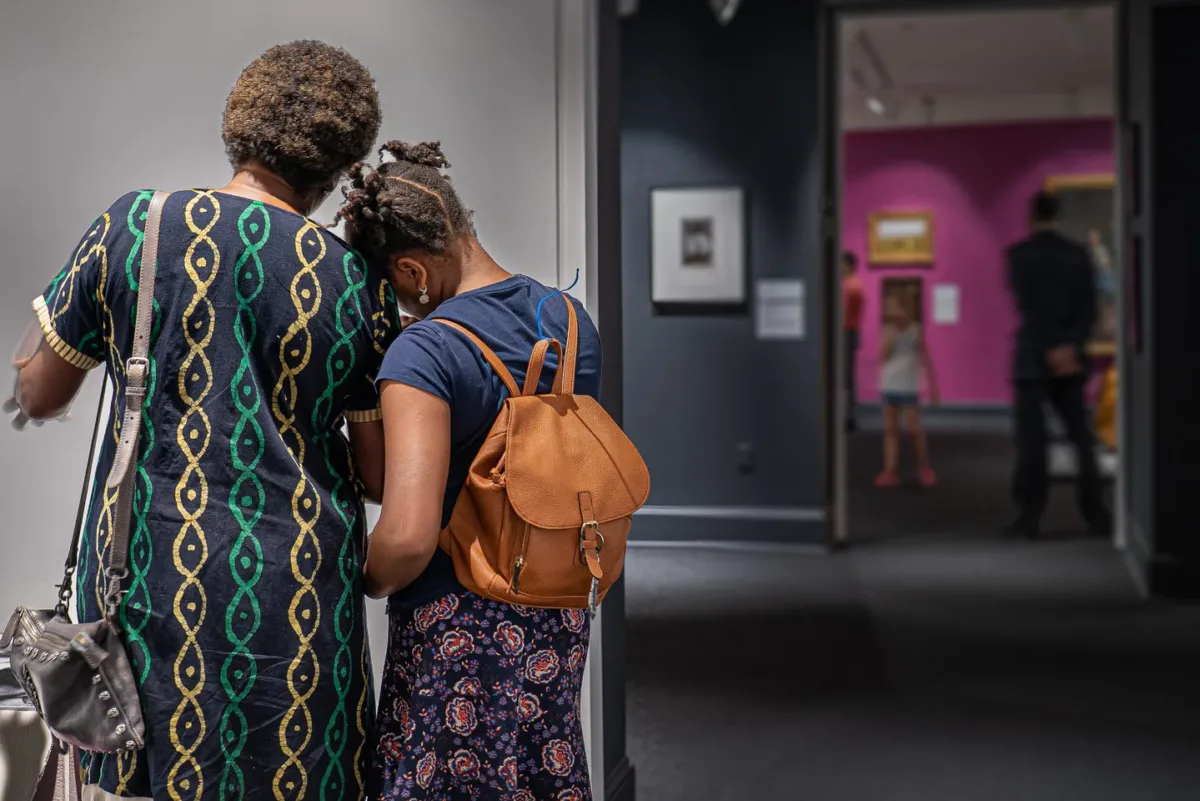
[
  {"x": 973, "y": 456},
  {"x": 932, "y": 661},
  {"x": 969, "y": 670}
]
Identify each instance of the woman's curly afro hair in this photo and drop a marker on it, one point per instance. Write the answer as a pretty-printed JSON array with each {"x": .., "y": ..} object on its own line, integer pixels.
[{"x": 307, "y": 111}]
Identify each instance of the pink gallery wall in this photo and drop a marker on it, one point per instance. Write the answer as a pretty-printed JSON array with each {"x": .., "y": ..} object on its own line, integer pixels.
[{"x": 977, "y": 180}]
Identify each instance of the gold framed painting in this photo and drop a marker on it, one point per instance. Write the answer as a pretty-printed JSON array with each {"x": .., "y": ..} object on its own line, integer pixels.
[
  {"x": 1081, "y": 182},
  {"x": 900, "y": 238},
  {"x": 1087, "y": 214}
]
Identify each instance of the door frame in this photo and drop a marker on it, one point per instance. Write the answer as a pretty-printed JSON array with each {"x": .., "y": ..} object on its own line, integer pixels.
[
  {"x": 588, "y": 168},
  {"x": 830, "y": 17}
]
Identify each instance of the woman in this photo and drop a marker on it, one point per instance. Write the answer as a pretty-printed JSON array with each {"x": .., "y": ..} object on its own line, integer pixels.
[
  {"x": 243, "y": 614},
  {"x": 480, "y": 699}
]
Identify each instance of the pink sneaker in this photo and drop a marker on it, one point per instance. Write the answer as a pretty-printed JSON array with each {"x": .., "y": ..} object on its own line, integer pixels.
[
  {"x": 927, "y": 477},
  {"x": 887, "y": 479}
]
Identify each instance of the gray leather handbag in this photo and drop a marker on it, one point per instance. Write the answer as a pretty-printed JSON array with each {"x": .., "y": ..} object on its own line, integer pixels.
[{"x": 78, "y": 675}]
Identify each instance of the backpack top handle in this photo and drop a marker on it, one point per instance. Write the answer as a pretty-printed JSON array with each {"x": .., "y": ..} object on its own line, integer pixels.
[{"x": 564, "y": 378}]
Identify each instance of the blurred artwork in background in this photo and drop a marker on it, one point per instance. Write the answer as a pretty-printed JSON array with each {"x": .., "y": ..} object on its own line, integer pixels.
[
  {"x": 1088, "y": 215},
  {"x": 1106, "y": 288},
  {"x": 1106, "y": 409}
]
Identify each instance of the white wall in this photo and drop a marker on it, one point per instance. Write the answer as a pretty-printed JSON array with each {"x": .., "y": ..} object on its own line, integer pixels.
[
  {"x": 101, "y": 98},
  {"x": 976, "y": 108}
]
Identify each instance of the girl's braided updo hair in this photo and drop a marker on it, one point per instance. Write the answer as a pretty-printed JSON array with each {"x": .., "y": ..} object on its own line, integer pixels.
[{"x": 403, "y": 205}]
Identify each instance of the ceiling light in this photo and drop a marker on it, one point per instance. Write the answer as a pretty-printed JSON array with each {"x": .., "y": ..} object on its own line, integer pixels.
[
  {"x": 724, "y": 9},
  {"x": 876, "y": 105}
]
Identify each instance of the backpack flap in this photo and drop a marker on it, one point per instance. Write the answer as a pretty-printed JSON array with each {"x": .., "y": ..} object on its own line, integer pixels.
[{"x": 562, "y": 445}]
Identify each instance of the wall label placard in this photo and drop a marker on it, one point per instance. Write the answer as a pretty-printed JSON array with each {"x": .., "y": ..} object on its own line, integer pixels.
[
  {"x": 779, "y": 309},
  {"x": 946, "y": 306}
]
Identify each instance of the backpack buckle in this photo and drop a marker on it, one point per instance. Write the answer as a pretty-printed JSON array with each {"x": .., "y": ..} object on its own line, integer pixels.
[
  {"x": 590, "y": 550},
  {"x": 583, "y": 540}
]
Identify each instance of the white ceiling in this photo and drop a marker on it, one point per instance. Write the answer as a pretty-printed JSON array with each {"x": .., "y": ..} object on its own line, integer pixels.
[{"x": 954, "y": 57}]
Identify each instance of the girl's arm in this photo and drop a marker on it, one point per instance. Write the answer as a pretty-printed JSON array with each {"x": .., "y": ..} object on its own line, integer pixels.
[
  {"x": 888, "y": 343},
  {"x": 930, "y": 372},
  {"x": 416, "y": 428}
]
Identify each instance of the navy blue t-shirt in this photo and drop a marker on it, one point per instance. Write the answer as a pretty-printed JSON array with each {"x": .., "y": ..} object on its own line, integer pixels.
[{"x": 441, "y": 361}]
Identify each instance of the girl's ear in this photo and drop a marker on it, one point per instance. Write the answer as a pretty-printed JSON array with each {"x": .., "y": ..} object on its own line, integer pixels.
[{"x": 413, "y": 271}]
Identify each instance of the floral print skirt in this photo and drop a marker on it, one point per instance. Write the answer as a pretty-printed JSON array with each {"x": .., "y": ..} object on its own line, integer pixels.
[{"x": 480, "y": 700}]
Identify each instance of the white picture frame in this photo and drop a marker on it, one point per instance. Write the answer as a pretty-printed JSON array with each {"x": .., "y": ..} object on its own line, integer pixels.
[{"x": 698, "y": 245}]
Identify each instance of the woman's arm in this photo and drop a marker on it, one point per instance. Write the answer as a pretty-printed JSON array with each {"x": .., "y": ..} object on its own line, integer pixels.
[
  {"x": 364, "y": 414},
  {"x": 367, "y": 445},
  {"x": 67, "y": 339},
  {"x": 416, "y": 429},
  {"x": 46, "y": 383}
]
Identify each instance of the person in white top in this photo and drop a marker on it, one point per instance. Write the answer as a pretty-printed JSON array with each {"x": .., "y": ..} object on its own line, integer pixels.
[{"x": 903, "y": 358}]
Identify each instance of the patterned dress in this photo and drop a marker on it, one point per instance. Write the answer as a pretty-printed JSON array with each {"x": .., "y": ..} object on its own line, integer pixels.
[
  {"x": 481, "y": 701},
  {"x": 244, "y": 617}
]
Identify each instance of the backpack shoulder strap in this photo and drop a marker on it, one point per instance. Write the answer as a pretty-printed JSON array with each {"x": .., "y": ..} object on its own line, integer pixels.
[
  {"x": 489, "y": 355},
  {"x": 564, "y": 379}
]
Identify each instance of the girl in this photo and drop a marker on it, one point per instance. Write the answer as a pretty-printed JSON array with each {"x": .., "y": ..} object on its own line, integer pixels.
[
  {"x": 480, "y": 699},
  {"x": 903, "y": 357}
]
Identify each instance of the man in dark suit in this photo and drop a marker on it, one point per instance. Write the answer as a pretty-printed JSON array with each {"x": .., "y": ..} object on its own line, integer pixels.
[{"x": 1054, "y": 285}]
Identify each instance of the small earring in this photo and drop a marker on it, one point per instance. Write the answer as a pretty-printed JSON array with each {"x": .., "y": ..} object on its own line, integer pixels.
[{"x": 424, "y": 299}]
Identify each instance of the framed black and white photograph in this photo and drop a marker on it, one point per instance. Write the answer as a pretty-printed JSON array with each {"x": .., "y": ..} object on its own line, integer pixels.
[
  {"x": 698, "y": 248},
  {"x": 697, "y": 242}
]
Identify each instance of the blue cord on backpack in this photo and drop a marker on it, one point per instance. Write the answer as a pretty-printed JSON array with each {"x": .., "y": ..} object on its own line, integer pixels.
[{"x": 541, "y": 333}]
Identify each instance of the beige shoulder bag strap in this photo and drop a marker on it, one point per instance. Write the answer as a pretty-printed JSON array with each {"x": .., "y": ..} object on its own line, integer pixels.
[{"x": 137, "y": 373}]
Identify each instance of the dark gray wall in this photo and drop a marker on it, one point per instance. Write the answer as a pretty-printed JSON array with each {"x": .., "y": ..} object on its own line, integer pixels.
[
  {"x": 1160, "y": 377},
  {"x": 1174, "y": 383},
  {"x": 703, "y": 104}
]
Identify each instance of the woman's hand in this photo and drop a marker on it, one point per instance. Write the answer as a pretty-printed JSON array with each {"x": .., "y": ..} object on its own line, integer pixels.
[
  {"x": 366, "y": 446},
  {"x": 20, "y": 419}
]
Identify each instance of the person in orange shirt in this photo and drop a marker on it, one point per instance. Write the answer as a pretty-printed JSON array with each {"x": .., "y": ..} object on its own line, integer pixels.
[{"x": 853, "y": 301}]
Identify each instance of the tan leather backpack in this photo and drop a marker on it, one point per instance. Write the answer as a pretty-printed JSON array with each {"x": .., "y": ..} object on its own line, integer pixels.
[{"x": 545, "y": 513}]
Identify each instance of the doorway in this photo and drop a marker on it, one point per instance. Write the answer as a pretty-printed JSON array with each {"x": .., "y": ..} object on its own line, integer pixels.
[{"x": 948, "y": 123}]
